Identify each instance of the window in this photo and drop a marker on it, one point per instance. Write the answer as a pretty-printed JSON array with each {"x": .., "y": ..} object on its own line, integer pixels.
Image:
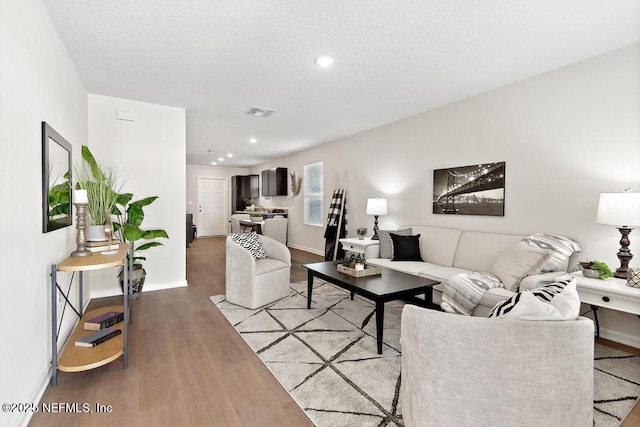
[{"x": 313, "y": 193}]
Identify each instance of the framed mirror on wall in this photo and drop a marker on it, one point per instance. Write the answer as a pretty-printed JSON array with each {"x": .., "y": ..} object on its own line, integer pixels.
[{"x": 56, "y": 180}]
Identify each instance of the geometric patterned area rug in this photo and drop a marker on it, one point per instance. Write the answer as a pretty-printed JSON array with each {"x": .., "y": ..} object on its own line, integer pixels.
[{"x": 326, "y": 358}]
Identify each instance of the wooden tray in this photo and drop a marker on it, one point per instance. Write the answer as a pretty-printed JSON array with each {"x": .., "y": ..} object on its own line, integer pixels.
[{"x": 369, "y": 271}]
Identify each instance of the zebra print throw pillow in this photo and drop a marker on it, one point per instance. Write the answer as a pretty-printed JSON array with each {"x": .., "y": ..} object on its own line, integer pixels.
[
  {"x": 555, "y": 301},
  {"x": 251, "y": 242}
]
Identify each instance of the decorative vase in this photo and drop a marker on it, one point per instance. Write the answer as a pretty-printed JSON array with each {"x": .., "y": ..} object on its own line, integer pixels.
[
  {"x": 361, "y": 237},
  {"x": 136, "y": 280},
  {"x": 633, "y": 277},
  {"x": 95, "y": 233},
  {"x": 587, "y": 272}
]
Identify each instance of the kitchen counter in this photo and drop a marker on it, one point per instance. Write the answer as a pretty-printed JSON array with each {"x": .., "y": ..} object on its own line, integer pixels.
[{"x": 264, "y": 214}]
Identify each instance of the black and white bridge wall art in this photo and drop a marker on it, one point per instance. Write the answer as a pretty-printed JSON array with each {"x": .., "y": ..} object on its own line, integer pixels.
[{"x": 469, "y": 190}]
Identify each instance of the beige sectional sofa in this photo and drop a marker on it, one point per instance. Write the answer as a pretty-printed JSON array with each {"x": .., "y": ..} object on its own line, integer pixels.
[{"x": 446, "y": 252}]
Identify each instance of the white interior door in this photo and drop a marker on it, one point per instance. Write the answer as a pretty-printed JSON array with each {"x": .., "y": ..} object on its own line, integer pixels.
[{"x": 210, "y": 215}]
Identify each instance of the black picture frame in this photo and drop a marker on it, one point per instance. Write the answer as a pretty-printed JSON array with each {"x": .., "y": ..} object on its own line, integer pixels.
[
  {"x": 470, "y": 190},
  {"x": 56, "y": 180}
]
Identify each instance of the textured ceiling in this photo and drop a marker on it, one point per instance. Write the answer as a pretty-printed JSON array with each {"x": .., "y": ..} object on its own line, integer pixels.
[{"x": 394, "y": 59}]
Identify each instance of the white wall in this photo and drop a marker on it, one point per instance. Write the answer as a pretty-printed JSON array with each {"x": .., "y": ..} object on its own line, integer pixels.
[
  {"x": 38, "y": 83},
  {"x": 565, "y": 136},
  {"x": 151, "y": 152},
  {"x": 196, "y": 171}
]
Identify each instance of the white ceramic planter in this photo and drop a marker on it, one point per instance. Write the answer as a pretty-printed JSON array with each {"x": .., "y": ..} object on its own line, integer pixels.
[{"x": 95, "y": 233}]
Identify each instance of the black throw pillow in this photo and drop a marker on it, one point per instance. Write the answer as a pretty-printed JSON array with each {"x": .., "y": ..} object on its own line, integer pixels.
[{"x": 406, "y": 248}]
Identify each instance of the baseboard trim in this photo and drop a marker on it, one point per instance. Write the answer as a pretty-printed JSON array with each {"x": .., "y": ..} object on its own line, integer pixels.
[
  {"x": 622, "y": 338},
  {"x": 303, "y": 248},
  {"x": 148, "y": 287},
  {"x": 44, "y": 383}
]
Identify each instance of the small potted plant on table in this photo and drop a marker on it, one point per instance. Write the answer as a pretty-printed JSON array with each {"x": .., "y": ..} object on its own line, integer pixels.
[
  {"x": 362, "y": 231},
  {"x": 595, "y": 269}
]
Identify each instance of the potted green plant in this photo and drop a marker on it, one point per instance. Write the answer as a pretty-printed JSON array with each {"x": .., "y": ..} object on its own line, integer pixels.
[
  {"x": 362, "y": 231},
  {"x": 595, "y": 269},
  {"x": 102, "y": 184},
  {"x": 130, "y": 216}
]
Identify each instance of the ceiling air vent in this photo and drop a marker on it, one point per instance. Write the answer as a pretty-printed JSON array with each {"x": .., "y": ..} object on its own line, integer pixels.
[{"x": 259, "y": 112}]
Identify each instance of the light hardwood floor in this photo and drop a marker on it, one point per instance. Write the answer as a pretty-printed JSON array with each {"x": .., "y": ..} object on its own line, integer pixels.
[{"x": 187, "y": 365}]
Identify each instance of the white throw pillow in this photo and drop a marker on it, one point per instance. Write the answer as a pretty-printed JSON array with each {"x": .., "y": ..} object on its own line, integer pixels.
[
  {"x": 518, "y": 262},
  {"x": 557, "y": 301},
  {"x": 561, "y": 248}
]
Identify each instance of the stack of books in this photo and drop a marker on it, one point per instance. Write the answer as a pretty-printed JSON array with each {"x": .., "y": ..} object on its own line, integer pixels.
[
  {"x": 102, "y": 245},
  {"x": 101, "y": 324}
]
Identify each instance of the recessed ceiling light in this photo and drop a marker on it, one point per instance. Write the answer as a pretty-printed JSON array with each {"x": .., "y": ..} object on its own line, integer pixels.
[
  {"x": 229, "y": 154},
  {"x": 221, "y": 159},
  {"x": 325, "y": 61},
  {"x": 213, "y": 163},
  {"x": 253, "y": 140}
]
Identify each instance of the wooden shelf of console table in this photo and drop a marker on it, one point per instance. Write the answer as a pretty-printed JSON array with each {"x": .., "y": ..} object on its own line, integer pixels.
[
  {"x": 96, "y": 261},
  {"x": 77, "y": 359}
]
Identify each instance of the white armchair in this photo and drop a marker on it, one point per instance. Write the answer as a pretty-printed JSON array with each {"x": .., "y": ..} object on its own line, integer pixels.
[
  {"x": 253, "y": 283},
  {"x": 276, "y": 228},
  {"x": 463, "y": 370}
]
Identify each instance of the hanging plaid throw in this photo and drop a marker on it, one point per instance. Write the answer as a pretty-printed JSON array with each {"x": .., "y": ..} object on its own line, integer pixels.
[
  {"x": 337, "y": 209},
  {"x": 334, "y": 209}
]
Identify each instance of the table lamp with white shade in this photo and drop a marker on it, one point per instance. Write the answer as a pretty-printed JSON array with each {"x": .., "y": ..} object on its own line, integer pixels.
[
  {"x": 623, "y": 211},
  {"x": 376, "y": 207}
]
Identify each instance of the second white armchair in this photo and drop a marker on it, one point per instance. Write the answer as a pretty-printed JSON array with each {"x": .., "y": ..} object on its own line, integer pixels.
[{"x": 252, "y": 282}]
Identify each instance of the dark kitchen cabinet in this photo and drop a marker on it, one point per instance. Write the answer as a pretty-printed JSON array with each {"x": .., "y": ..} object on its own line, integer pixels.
[
  {"x": 274, "y": 182},
  {"x": 243, "y": 188}
]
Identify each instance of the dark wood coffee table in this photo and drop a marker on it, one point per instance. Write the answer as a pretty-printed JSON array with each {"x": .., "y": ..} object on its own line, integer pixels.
[{"x": 389, "y": 286}]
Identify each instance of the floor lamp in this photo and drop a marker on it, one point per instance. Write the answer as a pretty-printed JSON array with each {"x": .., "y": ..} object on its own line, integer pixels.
[
  {"x": 376, "y": 207},
  {"x": 623, "y": 211}
]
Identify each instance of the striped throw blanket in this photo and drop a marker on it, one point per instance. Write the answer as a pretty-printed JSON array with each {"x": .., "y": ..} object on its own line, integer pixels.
[{"x": 463, "y": 292}]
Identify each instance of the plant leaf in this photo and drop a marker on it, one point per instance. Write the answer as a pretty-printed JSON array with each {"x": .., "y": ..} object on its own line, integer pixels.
[
  {"x": 148, "y": 245},
  {"x": 154, "y": 234},
  {"x": 91, "y": 161}
]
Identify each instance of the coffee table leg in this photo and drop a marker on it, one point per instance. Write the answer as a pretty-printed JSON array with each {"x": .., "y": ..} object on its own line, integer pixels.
[
  {"x": 379, "y": 324},
  {"x": 428, "y": 296},
  {"x": 309, "y": 287},
  {"x": 352, "y": 295}
]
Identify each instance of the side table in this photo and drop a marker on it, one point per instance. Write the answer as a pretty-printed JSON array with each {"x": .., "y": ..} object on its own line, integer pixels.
[
  {"x": 367, "y": 247},
  {"x": 613, "y": 294}
]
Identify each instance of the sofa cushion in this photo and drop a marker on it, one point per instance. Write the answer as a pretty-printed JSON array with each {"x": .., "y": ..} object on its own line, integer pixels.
[
  {"x": 409, "y": 267},
  {"x": 406, "y": 248},
  {"x": 478, "y": 251},
  {"x": 251, "y": 242},
  {"x": 440, "y": 273},
  {"x": 385, "y": 242},
  {"x": 555, "y": 301},
  {"x": 437, "y": 244},
  {"x": 517, "y": 262},
  {"x": 560, "y": 247}
]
